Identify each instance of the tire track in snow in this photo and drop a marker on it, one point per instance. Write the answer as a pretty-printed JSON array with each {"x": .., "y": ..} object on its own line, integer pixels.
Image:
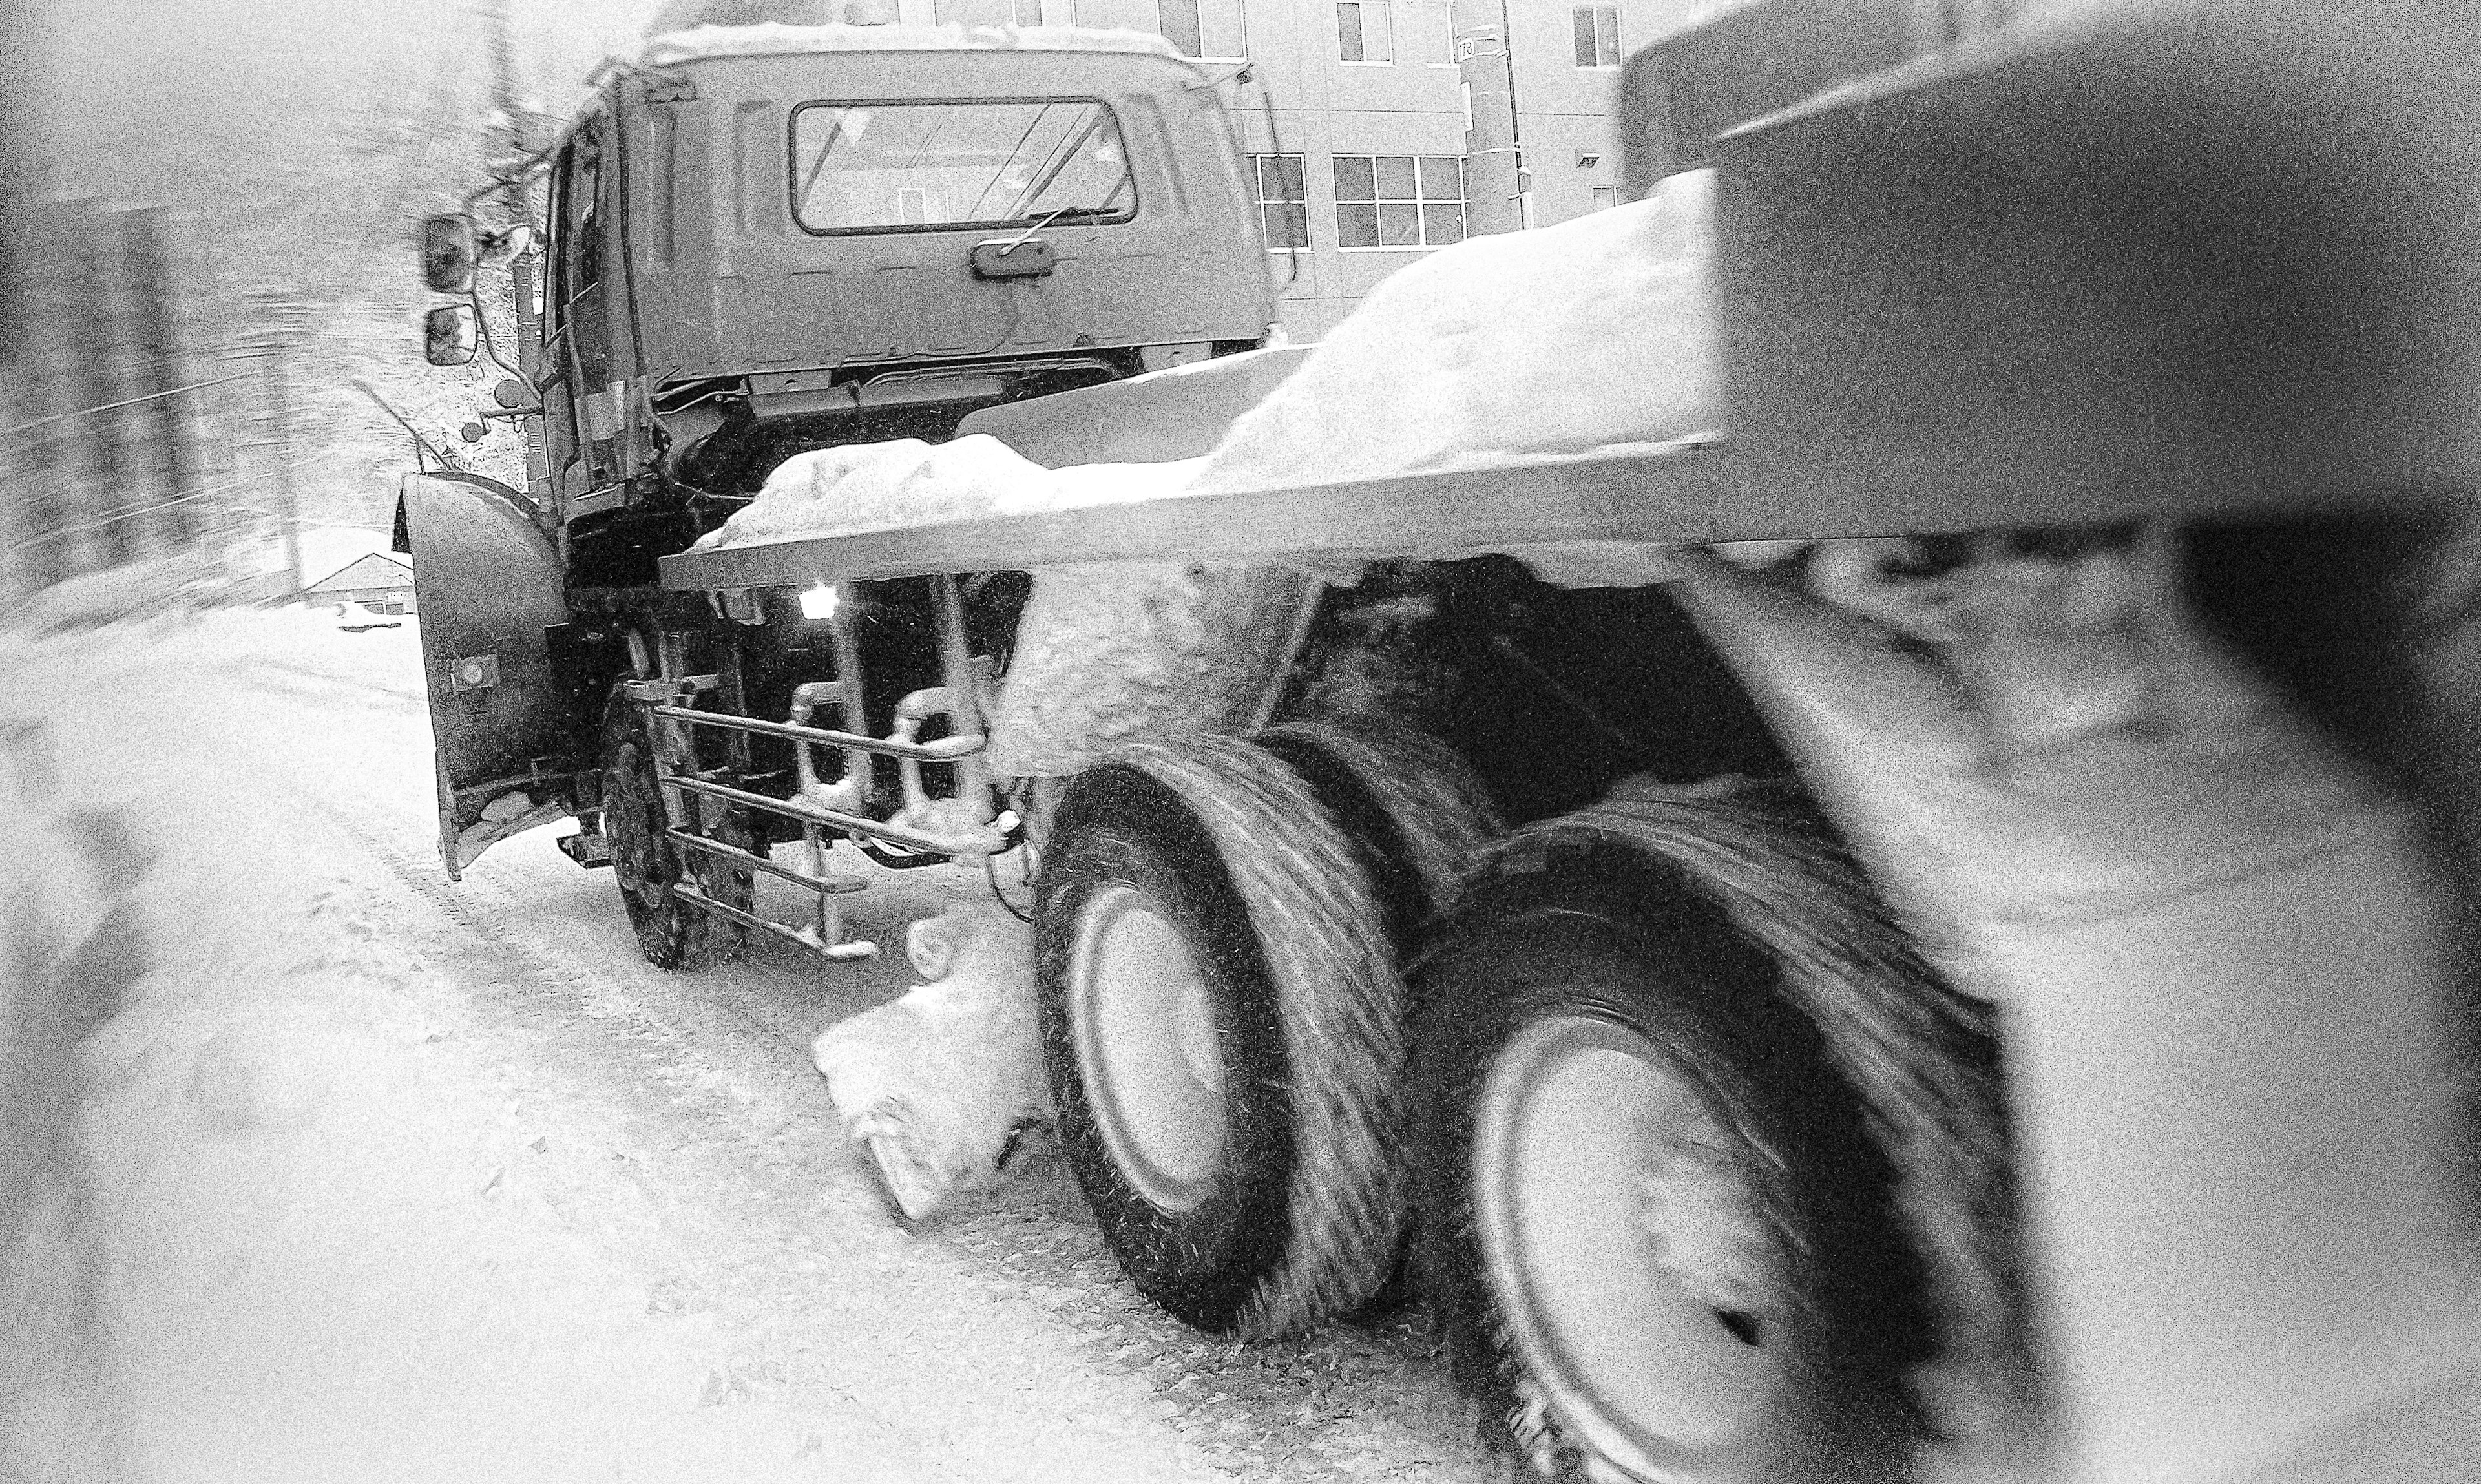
[{"x": 1353, "y": 1403}]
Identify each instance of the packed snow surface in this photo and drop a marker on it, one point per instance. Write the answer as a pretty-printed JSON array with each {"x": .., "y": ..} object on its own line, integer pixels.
[{"x": 319, "y": 1168}]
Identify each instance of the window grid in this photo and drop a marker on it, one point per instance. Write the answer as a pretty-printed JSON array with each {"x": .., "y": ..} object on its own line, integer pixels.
[
  {"x": 1283, "y": 200},
  {"x": 1395, "y": 201},
  {"x": 1597, "y": 34},
  {"x": 1212, "y": 29},
  {"x": 987, "y": 12},
  {"x": 1606, "y": 198},
  {"x": 1361, "y": 33}
]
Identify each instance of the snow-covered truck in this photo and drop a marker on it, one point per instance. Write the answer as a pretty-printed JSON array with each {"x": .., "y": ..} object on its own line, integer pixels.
[{"x": 1843, "y": 795}]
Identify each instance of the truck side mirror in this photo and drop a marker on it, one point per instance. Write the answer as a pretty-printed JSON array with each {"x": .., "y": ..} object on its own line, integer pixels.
[
  {"x": 449, "y": 253},
  {"x": 449, "y": 335}
]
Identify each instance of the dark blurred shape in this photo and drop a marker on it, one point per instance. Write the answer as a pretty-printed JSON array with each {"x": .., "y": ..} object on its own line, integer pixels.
[
  {"x": 448, "y": 253},
  {"x": 1677, "y": 97},
  {"x": 2201, "y": 259},
  {"x": 449, "y": 335}
]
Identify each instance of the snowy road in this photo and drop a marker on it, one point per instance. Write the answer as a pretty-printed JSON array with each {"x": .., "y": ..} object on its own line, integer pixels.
[{"x": 405, "y": 1180}]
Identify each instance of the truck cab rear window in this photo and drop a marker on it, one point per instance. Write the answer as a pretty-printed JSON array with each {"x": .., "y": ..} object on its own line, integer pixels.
[{"x": 893, "y": 166}]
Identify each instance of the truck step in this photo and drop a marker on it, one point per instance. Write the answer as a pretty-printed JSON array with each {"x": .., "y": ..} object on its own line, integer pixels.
[{"x": 587, "y": 850}]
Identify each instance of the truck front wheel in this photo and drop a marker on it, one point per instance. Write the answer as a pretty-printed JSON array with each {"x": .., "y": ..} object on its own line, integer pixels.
[
  {"x": 1222, "y": 1021},
  {"x": 1649, "y": 1219},
  {"x": 647, "y": 863}
]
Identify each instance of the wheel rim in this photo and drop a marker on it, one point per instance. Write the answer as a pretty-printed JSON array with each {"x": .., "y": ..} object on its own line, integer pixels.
[
  {"x": 1624, "y": 1250},
  {"x": 1148, "y": 1055}
]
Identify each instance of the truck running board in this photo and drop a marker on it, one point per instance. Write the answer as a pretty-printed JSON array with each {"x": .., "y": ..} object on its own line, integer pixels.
[{"x": 588, "y": 850}]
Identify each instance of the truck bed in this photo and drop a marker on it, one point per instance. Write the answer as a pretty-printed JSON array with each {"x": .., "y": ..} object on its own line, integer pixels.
[{"x": 2096, "y": 270}]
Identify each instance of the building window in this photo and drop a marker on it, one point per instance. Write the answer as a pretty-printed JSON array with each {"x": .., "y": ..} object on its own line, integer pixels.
[
  {"x": 1361, "y": 33},
  {"x": 1398, "y": 200},
  {"x": 987, "y": 12},
  {"x": 1196, "y": 28},
  {"x": 1283, "y": 201},
  {"x": 1597, "y": 34},
  {"x": 1430, "y": 33},
  {"x": 1606, "y": 198}
]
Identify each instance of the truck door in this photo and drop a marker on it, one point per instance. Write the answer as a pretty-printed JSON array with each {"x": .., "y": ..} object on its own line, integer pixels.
[{"x": 577, "y": 327}]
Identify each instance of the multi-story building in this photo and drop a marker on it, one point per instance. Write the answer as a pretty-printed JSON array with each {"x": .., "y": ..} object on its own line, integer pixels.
[{"x": 1354, "y": 116}]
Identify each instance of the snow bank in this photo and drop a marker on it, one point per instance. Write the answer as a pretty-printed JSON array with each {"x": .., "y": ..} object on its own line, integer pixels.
[{"x": 940, "y": 1086}]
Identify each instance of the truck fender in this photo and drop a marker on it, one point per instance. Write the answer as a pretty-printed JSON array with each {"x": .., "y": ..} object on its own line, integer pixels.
[{"x": 487, "y": 585}]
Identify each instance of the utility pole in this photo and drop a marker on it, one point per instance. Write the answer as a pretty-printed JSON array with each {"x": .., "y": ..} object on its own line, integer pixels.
[
  {"x": 512, "y": 140},
  {"x": 1494, "y": 160}
]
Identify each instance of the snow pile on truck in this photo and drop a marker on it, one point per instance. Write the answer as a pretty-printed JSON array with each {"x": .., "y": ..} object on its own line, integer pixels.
[
  {"x": 1481, "y": 356},
  {"x": 1593, "y": 337},
  {"x": 855, "y": 488}
]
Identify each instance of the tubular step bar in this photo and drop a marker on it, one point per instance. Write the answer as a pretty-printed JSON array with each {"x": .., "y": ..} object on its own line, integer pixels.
[
  {"x": 680, "y": 778},
  {"x": 944, "y": 750},
  {"x": 837, "y": 947},
  {"x": 895, "y": 835}
]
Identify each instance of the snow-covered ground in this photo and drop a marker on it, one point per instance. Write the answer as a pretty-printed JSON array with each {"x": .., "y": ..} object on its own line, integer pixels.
[{"x": 384, "y": 1177}]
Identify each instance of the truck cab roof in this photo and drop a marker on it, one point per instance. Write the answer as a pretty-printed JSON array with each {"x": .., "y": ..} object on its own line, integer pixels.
[{"x": 705, "y": 42}]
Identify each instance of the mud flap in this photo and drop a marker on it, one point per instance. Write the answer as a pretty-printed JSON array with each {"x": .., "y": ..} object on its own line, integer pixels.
[{"x": 487, "y": 585}]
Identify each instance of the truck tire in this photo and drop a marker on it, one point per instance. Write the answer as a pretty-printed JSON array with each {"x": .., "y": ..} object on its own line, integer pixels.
[
  {"x": 1656, "y": 1235},
  {"x": 671, "y": 933},
  {"x": 1223, "y": 1021},
  {"x": 1418, "y": 816},
  {"x": 1415, "y": 813}
]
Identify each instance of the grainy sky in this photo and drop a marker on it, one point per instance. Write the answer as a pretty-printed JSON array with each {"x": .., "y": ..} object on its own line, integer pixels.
[{"x": 216, "y": 105}]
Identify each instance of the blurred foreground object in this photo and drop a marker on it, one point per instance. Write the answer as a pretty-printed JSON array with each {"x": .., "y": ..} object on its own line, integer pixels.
[{"x": 72, "y": 947}]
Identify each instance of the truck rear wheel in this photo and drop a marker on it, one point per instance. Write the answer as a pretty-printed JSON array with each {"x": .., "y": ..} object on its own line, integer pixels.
[
  {"x": 645, "y": 863},
  {"x": 1222, "y": 1021},
  {"x": 1415, "y": 812},
  {"x": 1654, "y": 1230},
  {"x": 1418, "y": 818}
]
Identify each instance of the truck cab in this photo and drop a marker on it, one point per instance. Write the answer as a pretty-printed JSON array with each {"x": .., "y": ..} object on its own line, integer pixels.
[
  {"x": 761, "y": 240},
  {"x": 769, "y": 239}
]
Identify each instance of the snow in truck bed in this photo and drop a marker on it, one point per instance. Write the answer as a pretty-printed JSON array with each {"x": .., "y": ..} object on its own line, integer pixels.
[{"x": 1591, "y": 338}]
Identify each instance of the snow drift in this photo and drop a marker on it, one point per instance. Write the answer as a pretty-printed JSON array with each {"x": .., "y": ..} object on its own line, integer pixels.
[{"x": 940, "y": 1086}]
